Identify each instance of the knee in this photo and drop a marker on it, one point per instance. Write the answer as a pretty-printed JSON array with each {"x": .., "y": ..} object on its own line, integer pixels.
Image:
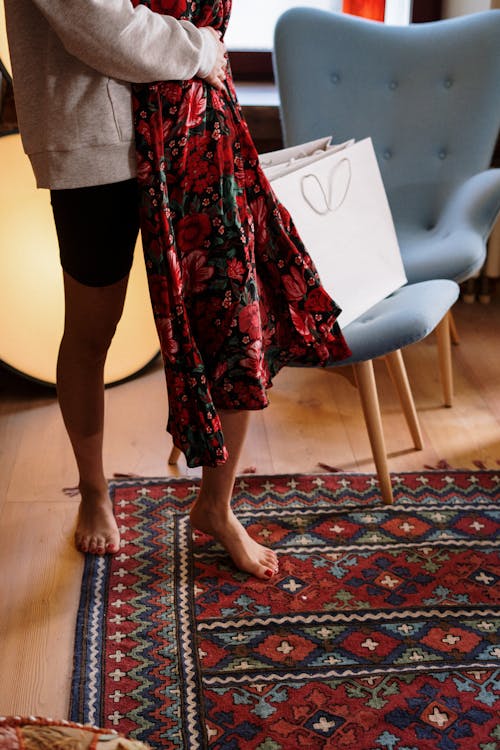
[
  {"x": 89, "y": 343},
  {"x": 91, "y": 318}
]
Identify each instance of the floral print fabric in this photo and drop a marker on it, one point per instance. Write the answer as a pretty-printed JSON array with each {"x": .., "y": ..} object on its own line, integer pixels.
[{"x": 234, "y": 293}]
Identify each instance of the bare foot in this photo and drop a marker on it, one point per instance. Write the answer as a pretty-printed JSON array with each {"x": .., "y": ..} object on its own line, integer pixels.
[
  {"x": 97, "y": 530},
  {"x": 247, "y": 554}
]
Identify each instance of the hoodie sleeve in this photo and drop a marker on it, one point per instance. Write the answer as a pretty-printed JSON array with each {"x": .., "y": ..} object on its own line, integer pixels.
[{"x": 130, "y": 44}]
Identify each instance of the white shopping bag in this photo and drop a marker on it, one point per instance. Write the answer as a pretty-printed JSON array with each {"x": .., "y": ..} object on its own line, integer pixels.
[{"x": 338, "y": 203}]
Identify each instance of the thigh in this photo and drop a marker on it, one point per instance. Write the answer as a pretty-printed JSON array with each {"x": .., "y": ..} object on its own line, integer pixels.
[{"x": 97, "y": 230}]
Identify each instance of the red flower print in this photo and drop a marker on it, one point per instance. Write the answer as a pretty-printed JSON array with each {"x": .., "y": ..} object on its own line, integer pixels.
[
  {"x": 166, "y": 291},
  {"x": 260, "y": 212},
  {"x": 235, "y": 269},
  {"x": 192, "y": 231},
  {"x": 318, "y": 300},
  {"x": 225, "y": 157},
  {"x": 303, "y": 322},
  {"x": 249, "y": 320},
  {"x": 169, "y": 345},
  {"x": 170, "y": 92},
  {"x": 193, "y": 107},
  {"x": 158, "y": 290},
  {"x": 143, "y": 128},
  {"x": 220, "y": 370},
  {"x": 250, "y": 179},
  {"x": 294, "y": 284},
  {"x": 155, "y": 248},
  {"x": 170, "y": 7},
  {"x": 202, "y": 174},
  {"x": 196, "y": 272},
  {"x": 144, "y": 170},
  {"x": 253, "y": 359}
]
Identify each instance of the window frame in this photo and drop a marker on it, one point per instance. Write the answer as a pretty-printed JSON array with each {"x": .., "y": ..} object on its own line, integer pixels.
[{"x": 257, "y": 65}]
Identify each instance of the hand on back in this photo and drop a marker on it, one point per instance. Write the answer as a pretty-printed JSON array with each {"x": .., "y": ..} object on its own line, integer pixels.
[{"x": 217, "y": 75}]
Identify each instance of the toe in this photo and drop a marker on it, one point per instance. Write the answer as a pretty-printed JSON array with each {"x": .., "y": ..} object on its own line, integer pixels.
[
  {"x": 93, "y": 545},
  {"x": 81, "y": 543},
  {"x": 270, "y": 560},
  {"x": 269, "y": 573},
  {"x": 264, "y": 572},
  {"x": 102, "y": 545}
]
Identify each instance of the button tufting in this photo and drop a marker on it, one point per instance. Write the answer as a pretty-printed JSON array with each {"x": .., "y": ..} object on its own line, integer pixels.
[
  {"x": 443, "y": 153},
  {"x": 448, "y": 83},
  {"x": 393, "y": 85},
  {"x": 335, "y": 78},
  {"x": 387, "y": 153}
]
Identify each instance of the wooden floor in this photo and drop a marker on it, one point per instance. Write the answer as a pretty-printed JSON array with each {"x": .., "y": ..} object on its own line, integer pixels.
[{"x": 314, "y": 418}]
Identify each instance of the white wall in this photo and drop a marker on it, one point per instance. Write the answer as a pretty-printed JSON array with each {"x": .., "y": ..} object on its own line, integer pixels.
[
  {"x": 252, "y": 21},
  {"x": 462, "y": 7}
]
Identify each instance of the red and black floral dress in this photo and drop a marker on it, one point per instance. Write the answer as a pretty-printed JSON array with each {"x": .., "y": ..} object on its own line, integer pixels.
[{"x": 234, "y": 293}]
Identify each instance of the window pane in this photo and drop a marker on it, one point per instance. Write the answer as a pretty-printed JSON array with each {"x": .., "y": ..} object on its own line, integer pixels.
[{"x": 253, "y": 21}]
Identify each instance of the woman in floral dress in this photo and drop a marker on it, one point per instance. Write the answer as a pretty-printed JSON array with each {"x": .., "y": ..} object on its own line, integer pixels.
[{"x": 235, "y": 295}]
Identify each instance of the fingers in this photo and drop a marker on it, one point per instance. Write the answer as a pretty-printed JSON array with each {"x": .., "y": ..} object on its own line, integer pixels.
[
  {"x": 213, "y": 31},
  {"x": 217, "y": 75},
  {"x": 217, "y": 78}
]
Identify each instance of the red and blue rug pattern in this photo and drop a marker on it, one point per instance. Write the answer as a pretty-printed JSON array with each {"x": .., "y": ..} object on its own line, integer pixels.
[{"x": 380, "y": 631}]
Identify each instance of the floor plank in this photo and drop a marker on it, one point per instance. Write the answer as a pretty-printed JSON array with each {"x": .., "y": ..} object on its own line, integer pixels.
[{"x": 39, "y": 590}]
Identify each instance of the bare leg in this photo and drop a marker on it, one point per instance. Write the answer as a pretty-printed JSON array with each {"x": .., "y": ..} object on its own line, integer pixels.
[
  {"x": 92, "y": 314},
  {"x": 212, "y": 513}
]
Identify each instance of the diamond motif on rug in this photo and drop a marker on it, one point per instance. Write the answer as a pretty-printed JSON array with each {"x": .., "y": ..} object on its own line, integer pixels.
[{"x": 380, "y": 631}]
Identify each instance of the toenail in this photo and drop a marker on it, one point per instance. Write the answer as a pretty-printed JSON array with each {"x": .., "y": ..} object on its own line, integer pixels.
[{"x": 269, "y": 573}]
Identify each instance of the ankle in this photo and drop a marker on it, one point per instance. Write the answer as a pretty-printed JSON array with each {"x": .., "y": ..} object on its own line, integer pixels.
[
  {"x": 214, "y": 504},
  {"x": 205, "y": 515},
  {"x": 93, "y": 491}
]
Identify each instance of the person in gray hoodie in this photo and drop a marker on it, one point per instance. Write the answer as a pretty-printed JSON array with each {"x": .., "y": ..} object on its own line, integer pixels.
[{"x": 73, "y": 63}]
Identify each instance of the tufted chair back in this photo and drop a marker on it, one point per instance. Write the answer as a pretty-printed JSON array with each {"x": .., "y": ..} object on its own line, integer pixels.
[{"x": 427, "y": 94}]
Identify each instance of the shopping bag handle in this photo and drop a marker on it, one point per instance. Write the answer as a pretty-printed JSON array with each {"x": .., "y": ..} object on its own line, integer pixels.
[{"x": 324, "y": 201}]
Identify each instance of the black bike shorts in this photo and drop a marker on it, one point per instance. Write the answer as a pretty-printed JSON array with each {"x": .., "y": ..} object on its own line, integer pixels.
[{"x": 97, "y": 230}]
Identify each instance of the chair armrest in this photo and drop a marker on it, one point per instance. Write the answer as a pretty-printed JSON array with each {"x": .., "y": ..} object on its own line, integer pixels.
[{"x": 473, "y": 205}]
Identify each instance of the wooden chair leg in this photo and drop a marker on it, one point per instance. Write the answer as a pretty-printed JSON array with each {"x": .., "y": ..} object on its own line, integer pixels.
[
  {"x": 174, "y": 456},
  {"x": 445, "y": 365},
  {"x": 365, "y": 378},
  {"x": 455, "y": 338},
  {"x": 397, "y": 370}
]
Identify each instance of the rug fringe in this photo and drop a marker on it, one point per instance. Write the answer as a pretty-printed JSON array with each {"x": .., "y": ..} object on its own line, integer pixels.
[
  {"x": 127, "y": 475},
  {"x": 327, "y": 467},
  {"x": 249, "y": 470},
  {"x": 71, "y": 491},
  {"x": 441, "y": 465},
  {"x": 480, "y": 465}
]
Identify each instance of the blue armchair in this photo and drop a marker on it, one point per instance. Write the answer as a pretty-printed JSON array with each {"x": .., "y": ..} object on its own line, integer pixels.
[{"x": 429, "y": 97}]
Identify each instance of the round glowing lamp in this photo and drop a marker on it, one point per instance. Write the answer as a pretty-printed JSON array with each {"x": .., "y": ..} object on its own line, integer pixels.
[{"x": 31, "y": 297}]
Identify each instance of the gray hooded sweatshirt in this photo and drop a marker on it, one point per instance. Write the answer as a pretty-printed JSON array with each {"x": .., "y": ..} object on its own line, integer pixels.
[{"x": 72, "y": 64}]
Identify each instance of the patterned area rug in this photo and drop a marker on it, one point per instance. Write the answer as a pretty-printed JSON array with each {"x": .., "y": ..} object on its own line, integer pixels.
[{"x": 379, "y": 633}]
